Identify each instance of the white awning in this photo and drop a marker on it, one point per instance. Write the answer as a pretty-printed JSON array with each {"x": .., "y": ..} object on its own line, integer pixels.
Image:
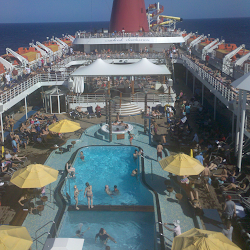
[
  {"x": 142, "y": 68},
  {"x": 242, "y": 83}
]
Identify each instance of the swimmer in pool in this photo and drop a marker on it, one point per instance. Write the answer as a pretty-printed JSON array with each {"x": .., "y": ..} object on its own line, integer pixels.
[
  {"x": 79, "y": 232},
  {"x": 108, "y": 191},
  {"x": 81, "y": 156},
  {"x": 104, "y": 236},
  {"x": 134, "y": 172},
  {"x": 136, "y": 154},
  {"x": 116, "y": 190}
]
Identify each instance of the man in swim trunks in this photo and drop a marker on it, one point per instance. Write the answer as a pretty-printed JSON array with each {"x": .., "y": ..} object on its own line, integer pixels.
[
  {"x": 159, "y": 151},
  {"x": 103, "y": 236},
  {"x": 76, "y": 193},
  {"x": 116, "y": 190}
]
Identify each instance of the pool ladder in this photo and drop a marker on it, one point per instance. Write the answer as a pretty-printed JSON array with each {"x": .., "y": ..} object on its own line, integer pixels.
[{"x": 37, "y": 237}]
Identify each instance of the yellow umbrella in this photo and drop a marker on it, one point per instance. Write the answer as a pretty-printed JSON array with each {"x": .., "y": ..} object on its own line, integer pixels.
[
  {"x": 34, "y": 176},
  {"x": 64, "y": 126},
  {"x": 197, "y": 239},
  {"x": 14, "y": 238},
  {"x": 181, "y": 164}
]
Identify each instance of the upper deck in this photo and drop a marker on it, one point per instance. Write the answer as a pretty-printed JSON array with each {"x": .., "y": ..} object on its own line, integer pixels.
[{"x": 154, "y": 41}]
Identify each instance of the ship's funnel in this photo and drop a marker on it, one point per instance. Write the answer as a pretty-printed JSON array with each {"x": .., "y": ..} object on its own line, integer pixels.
[{"x": 128, "y": 15}]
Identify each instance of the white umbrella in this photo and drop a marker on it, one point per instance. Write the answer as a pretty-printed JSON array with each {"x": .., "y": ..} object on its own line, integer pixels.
[{"x": 63, "y": 244}]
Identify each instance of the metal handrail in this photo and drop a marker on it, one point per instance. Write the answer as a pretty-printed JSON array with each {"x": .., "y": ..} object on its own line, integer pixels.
[{"x": 36, "y": 239}]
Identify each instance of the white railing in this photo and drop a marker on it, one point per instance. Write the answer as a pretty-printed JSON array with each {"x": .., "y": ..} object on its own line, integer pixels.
[
  {"x": 154, "y": 98},
  {"x": 18, "y": 89},
  {"x": 86, "y": 98},
  {"x": 219, "y": 86},
  {"x": 84, "y": 34}
]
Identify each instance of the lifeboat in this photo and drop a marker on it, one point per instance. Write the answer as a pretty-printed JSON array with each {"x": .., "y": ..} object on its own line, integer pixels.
[
  {"x": 2, "y": 69},
  {"x": 224, "y": 49},
  {"x": 31, "y": 54},
  {"x": 52, "y": 45}
]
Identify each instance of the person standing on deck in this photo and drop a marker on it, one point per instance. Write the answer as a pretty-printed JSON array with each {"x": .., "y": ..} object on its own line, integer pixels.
[
  {"x": 159, "y": 150},
  {"x": 89, "y": 194},
  {"x": 176, "y": 229},
  {"x": 76, "y": 193}
]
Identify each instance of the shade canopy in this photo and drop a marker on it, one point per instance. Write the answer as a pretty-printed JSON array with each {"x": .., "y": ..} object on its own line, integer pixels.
[
  {"x": 197, "y": 239},
  {"x": 34, "y": 176},
  {"x": 181, "y": 164},
  {"x": 141, "y": 68},
  {"x": 64, "y": 126},
  {"x": 14, "y": 238},
  {"x": 63, "y": 244},
  {"x": 243, "y": 82}
]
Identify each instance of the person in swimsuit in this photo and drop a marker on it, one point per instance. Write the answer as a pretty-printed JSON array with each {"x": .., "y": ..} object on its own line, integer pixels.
[
  {"x": 116, "y": 190},
  {"x": 134, "y": 172},
  {"x": 159, "y": 150},
  {"x": 70, "y": 169},
  {"x": 89, "y": 194},
  {"x": 108, "y": 191},
  {"x": 79, "y": 232},
  {"x": 81, "y": 156},
  {"x": 131, "y": 137},
  {"x": 76, "y": 193},
  {"x": 104, "y": 236}
]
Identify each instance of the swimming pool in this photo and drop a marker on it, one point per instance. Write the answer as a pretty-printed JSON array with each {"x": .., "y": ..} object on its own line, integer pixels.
[
  {"x": 131, "y": 230},
  {"x": 108, "y": 165}
]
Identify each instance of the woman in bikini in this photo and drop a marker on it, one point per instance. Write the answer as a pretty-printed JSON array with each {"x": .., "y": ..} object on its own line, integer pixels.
[
  {"x": 89, "y": 194},
  {"x": 131, "y": 137}
]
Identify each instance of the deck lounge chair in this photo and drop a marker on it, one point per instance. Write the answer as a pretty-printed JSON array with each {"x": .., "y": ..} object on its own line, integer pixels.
[{"x": 91, "y": 112}]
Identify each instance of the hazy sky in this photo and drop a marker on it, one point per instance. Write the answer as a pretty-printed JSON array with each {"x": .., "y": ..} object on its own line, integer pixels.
[{"x": 29, "y": 11}]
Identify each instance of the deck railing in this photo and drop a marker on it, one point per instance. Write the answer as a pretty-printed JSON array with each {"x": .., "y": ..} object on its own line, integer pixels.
[
  {"x": 86, "y": 98},
  {"x": 19, "y": 88},
  {"x": 83, "y": 34},
  {"x": 218, "y": 85}
]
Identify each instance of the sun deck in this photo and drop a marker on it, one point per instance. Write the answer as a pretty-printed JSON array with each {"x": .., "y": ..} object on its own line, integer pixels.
[{"x": 154, "y": 177}]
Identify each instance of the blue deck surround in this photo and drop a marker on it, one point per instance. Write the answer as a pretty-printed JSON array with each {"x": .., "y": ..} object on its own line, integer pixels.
[{"x": 170, "y": 209}]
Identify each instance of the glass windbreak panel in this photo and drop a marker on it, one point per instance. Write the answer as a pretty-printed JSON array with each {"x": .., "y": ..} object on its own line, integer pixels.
[
  {"x": 54, "y": 102},
  {"x": 62, "y": 103}
]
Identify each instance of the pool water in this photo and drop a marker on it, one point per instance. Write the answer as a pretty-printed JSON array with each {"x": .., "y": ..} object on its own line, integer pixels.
[
  {"x": 108, "y": 165},
  {"x": 131, "y": 230}
]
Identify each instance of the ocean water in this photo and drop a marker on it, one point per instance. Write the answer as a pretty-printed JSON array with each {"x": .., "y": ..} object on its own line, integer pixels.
[{"x": 232, "y": 30}]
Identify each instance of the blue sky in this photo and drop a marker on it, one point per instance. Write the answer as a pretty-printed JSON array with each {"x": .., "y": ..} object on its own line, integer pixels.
[{"x": 29, "y": 11}]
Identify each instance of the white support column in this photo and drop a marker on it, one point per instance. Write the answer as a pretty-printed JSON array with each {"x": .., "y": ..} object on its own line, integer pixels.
[
  {"x": 58, "y": 100},
  {"x": 50, "y": 103},
  {"x": 237, "y": 130},
  {"x": 1, "y": 117},
  {"x": 242, "y": 130},
  {"x": 215, "y": 99},
  {"x": 193, "y": 84},
  {"x": 202, "y": 94},
  {"x": 25, "y": 101},
  {"x": 186, "y": 76}
]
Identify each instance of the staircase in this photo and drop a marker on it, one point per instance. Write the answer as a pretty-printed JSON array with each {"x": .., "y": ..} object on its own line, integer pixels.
[{"x": 126, "y": 109}]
